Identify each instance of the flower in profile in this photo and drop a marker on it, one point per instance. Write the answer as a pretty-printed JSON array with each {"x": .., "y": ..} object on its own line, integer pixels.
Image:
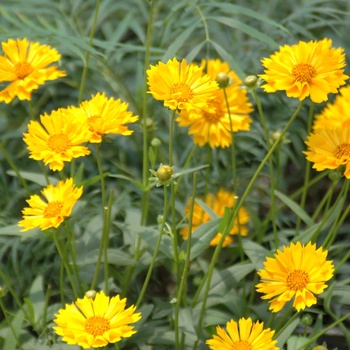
[
  {"x": 299, "y": 272},
  {"x": 58, "y": 138},
  {"x": 335, "y": 115},
  {"x": 106, "y": 116},
  {"x": 96, "y": 322},
  {"x": 51, "y": 212},
  {"x": 211, "y": 124},
  {"x": 26, "y": 65},
  {"x": 312, "y": 69},
  {"x": 217, "y": 202},
  {"x": 243, "y": 335},
  {"x": 330, "y": 149},
  {"x": 180, "y": 86}
]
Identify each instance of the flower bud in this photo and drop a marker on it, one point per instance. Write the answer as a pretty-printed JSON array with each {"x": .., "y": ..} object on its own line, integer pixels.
[
  {"x": 307, "y": 320},
  {"x": 320, "y": 347},
  {"x": 164, "y": 172},
  {"x": 251, "y": 81},
  {"x": 155, "y": 142},
  {"x": 223, "y": 80},
  {"x": 90, "y": 294}
]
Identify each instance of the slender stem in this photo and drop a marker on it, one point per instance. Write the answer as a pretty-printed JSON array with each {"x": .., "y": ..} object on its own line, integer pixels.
[
  {"x": 87, "y": 57},
  {"x": 156, "y": 249},
  {"x": 206, "y": 30},
  {"x": 182, "y": 288}
]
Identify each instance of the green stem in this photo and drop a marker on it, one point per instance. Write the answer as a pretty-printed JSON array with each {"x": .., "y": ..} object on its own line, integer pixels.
[
  {"x": 206, "y": 30},
  {"x": 156, "y": 249},
  {"x": 182, "y": 288},
  {"x": 87, "y": 57}
]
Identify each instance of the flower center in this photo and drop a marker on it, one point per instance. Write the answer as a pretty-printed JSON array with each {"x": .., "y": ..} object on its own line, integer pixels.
[
  {"x": 242, "y": 345},
  {"x": 216, "y": 116},
  {"x": 97, "y": 325},
  {"x": 303, "y": 72},
  {"x": 23, "y": 69},
  {"x": 342, "y": 150},
  {"x": 181, "y": 92},
  {"x": 59, "y": 143},
  {"x": 53, "y": 209},
  {"x": 297, "y": 280}
]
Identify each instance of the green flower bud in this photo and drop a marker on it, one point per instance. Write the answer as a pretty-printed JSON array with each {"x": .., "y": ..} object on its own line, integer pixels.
[
  {"x": 90, "y": 294},
  {"x": 223, "y": 80},
  {"x": 307, "y": 320},
  {"x": 165, "y": 172},
  {"x": 251, "y": 81},
  {"x": 155, "y": 142}
]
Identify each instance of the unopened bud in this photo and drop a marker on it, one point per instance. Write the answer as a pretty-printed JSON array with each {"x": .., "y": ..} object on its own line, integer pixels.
[
  {"x": 164, "y": 172},
  {"x": 155, "y": 142},
  {"x": 320, "y": 347},
  {"x": 251, "y": 81},
  {"x": 90, "y": 294},
  {"x": 307, "y": 320},
  {"x": 223, "y": 80}
]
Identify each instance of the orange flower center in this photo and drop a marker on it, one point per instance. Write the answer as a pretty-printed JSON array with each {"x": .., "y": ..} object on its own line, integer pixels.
[
  {"x": 59, "y": 143},
  {"x": 53, "y": 209},
  {"x": 342, "y": 150},
  {"x": 23, "y": 69},
  {"x": 181, "y": 92},
  {"x": 214, "y": 117},
  {"x": 242, "y": 345},
  {"x": 297, "y": 280},
  {"x": 97, "y": 325},
  {"x": 303, "y": 72}
]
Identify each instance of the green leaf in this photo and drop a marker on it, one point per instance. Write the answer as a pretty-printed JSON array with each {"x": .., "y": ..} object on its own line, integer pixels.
[
  {"x": 115, "y": 257},
  {"x": 255, "y": 252},
  {"x": 34, "y": 177},
  {"x": 294, "y": 207},
  {"x": 287, "y": 332},
  {"x": 186, "y": 323}
]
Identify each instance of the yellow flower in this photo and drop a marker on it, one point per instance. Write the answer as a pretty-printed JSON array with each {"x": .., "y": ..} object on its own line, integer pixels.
[
  {"x": 217, "y": 203},
  {"x": 297, "y": 272},
  {"x": 243, "y": 335},
  {"x": 312, "y": 69},
  {"x": 26, "y": 66},
  {"x": 107, "y": 116},
  {"x": 330, "y": 149},
  {"x": 336, "y": 114},
  {"x": 211, "y": 124},
  {"x": 180, "y": 86},
  {"x": 58, "y": 138},
  {"x": 94, "y": 323},
  {"x": 51, "y": 212}
]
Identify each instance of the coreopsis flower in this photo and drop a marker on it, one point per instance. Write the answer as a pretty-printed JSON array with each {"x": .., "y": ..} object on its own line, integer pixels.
[
  {"x": 105, "y": 115},
  {"x": 180, "y": 86},
  {"x": 299, "y": 272},
  {"x": 217, "y": 202},
  {"x": 26, "y": 65},
  {"x": 52, "y": 208},
  {"x": 96, "y": 322},
  {"x": 211, "y": 124},
  {"x": 330, "y": 149},
  {"x": 243, "y": 335},
  {"x": 337, "y": 114},
  {"x": 58, "y": 138},
  {"x": 312, "y": 68}
]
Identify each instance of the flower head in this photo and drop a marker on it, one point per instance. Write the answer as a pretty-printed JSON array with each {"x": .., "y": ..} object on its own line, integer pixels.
[
  {"x": 180, "y": 86},
  {"x": 312, "y": 69},
  {"x": 51, "y": 212},
  {"x": 330, "y": 149},
  {"x": 337, "y": 114},
  {"x": 58, "y": 138},
  {"x": 96, "y": 322},
  {"x": 243, "y": 335},
  {"x": 212, "y": 123},
  {"x": 106, "y": 116},
  {"x": 217, "y": 202},
  {"x": 297, "y": 272},
  {"x": 26, "y": 65}
]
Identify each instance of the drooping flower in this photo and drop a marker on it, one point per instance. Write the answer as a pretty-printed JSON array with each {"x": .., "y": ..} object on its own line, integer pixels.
[
  {"x": 96, "y": 322},
  {"x": 26, "y": 65},
  {"x": 211, "y": 124},
  {"x": 330, "y": 149},
  {"x": 243, "y": 335},
  {"x": 58, "y": 138},
  {"x": 311, "y": 68},
  {"x": 180, "y": 86},
  {"x": 51, "y": 211},
  {"x": 299, "y": 272},
  {"x": 337, "y": 114},
  {"x": 217, "y": 202},
  {"x": 107, "y": 116}
]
